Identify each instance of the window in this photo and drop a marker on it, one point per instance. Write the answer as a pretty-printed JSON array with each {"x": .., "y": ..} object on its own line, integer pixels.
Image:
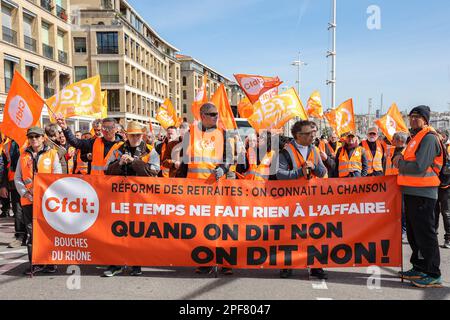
[
  {"x": 45, "y": 33},
  {"x": 107, "y": 43},
  {"x": 9, "y": 34},
  {"x": 9, "y": 72},
  {"x": 79, "y": 45},
  {"x": 80, "y": 73},
  {"x": 184, "y": 81},
  {"x": 29, "y": 42},
  {"x": 113, "y": 97},
  {"x": 184, "y": 108},
  {"x": 109, "y": 71}
]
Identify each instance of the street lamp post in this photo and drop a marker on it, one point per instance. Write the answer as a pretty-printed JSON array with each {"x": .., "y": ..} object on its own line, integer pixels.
[{"x": 299, "y": 63}]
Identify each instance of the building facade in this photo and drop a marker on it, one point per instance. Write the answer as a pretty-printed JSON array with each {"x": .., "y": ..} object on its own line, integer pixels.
[
  {"x": 35, "y": 41},
  {"x": 137, "y": 67},
  {"x": 192, "y": 72}
]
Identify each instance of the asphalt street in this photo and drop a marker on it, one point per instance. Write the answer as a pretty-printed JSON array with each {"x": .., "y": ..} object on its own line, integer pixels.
[{"x": 183, "y": 284}]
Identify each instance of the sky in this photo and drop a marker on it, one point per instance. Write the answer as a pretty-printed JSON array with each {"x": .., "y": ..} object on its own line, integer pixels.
[{"x": 406, "y": 60}]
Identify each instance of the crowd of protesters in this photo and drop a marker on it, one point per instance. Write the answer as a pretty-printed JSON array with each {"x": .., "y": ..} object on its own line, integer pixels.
[{"x": 416, "y": 158}]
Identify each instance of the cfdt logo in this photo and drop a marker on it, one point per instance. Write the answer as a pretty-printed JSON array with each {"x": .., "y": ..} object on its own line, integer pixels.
[
  {"x": 20, "y": 112},
  {"x": 70, "y": 206}
]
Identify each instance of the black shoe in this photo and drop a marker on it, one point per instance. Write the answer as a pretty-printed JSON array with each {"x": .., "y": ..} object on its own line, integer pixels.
[
  {"x": 51, "y": 268},
  {"x": 34, "y": 270},
  {"x": 112, "y": 271},
  {"x": 286, "y": 273},
  {"x": 135, "y": 271},
  {"x": 318, "y": 273},
  {"x": 204, "y": 270},
  {"x": 4, "y": 215},
  {"x": 227, "y": 271}
]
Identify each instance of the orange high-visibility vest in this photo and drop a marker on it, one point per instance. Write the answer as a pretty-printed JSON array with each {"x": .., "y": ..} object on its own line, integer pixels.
[
  {"x": 164, "y": 170},
  {"x": 205, "y": 152},
  {"x": 82, "y": 167},
  {"x": 324, "y": 146},
  {"x": 7, "y": 151},
  {"x": 346, "y": 165},
  {"x": 44, "y": 165},
  {"x": 429, "y": 178},
  {"x": 390, "y": 169},
  {"x": 70, "y": 162},
  {"x": 374, "y": 163},
  {"x": 98, "y": 165},
  {"x": 261, "y": 172},
  {"x": 297, "y": 159}
]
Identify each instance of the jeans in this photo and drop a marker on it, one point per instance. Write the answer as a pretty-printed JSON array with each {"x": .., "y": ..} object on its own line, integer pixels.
[
  {"x": 19, "y": 224},
  {"x": 442, "y": 208},
  {"x": 28, "y": 220},
  {"x": 422, "y": 236}
]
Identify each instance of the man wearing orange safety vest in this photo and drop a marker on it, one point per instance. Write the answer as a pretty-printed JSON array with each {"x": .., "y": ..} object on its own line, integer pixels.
[
  {"x": 37, "y": 158},
  {"x": 81, "y": 166},
  {"x": 351, "y": 160},
  {"x": 164, "y": 149},
  {"x": 374, "y": 153},
  {"x": 206, "y": 155},
  {"x": 418, "y": 177},
  {"x": 300, "y": 160},
  {"x": 99, "y": 149}
]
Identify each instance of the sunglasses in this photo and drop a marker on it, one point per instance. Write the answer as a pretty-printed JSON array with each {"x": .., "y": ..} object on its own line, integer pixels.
[
  {"x": 107, "y": 129},
  {"x": 211, "y": 114},
  {"x": 31, "y": 137}
]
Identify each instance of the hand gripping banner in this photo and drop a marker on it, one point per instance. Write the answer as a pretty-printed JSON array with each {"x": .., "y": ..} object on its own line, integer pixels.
[{"x": 237, "y": 223}]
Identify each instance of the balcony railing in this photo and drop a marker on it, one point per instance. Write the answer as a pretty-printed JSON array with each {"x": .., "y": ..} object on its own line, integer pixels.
[
  {"x": 62, "y": 56},
  {"x": 48, "y": 92},
  {"x": 47, "y": 5},
  {"x": 9, "y": 35},
  {"x": 109, "y": 78},
  {"x": 47, "y": 51},
  {"x": 8, "y": 82},
  {"x": 29, "y": 43},
  {"x": 107, "y": 49},
  {"x": 61, "y": 13}
]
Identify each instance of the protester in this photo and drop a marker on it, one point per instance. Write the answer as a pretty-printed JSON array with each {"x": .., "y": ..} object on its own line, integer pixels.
[
  {"x": 97, "y": 150},
  {"x": 419, "y": 180},
  {"x": 351, "y": 160},
  {"x": 37, "y": 158},
  {"x": 97, "y": 128},
  {"x": 204, "y": 155},
  {"x": 301, "y": 160},
  {"x": 374, "y": 153},
  {"x": 52, "y": 133},
  {"x": 164, "y": 149},
  {"x": 442, "y": 207},
  {"x": 132, "y": 158}
]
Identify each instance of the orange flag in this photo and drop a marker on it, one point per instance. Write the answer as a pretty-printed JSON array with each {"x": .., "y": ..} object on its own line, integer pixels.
[
  {"x": 391, "y": 122},
  {"x": 254, "y": 86},
  {"x": 200, "y": 99},
  {"x": 226, "y": 118},
  {"x": 22, "y": 110},
  {"x": 245, "y": 108},
  {"x": 330, "y": 116},
  {"x": 167, "y": 116},
  {"x": 344, "y": 117},
  {"x": 314, "y": 105},
  {"x": 277, "y": 111}
]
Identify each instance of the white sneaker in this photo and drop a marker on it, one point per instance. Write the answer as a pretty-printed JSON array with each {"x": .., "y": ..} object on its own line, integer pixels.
[
  {"x": 404, "y": 239},
  {"x": 15, "y": 243}
]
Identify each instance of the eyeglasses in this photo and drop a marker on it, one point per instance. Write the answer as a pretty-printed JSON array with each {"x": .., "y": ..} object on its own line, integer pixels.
[
  {"x": 107, "y": 129},
  {"x": 311, "y": 133},
  {"x": 34, "y": 137},
  {"x": 211, "y": 114}
]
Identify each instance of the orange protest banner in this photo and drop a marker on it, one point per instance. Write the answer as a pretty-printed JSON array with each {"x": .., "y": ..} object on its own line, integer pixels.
[
  {"x": 22, "y": 109},
  {"x": 254, "y": 86},
  {"x": 391, "y": 122},
  {"x": 226, "y": 117},
  {"x": 244, "y": 224},
  {"x": 277, "y": 111}
]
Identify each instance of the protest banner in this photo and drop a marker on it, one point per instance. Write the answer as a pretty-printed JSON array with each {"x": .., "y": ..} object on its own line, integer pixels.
[{"x": 243, "y": 224}]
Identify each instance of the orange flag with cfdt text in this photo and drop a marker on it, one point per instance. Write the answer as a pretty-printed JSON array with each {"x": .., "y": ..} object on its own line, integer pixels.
[
  {"x": 314, "y": 105},
  {"x": 254, "y": 86},
  {"x": 167, "y": 116},
  {"x": 83, "y": 98},
  {"x": 277, "y": 111},
  {"x": 226, "y": 118},
  {"x": 200, "y": 99},
  {"x": 392, "y": 122},
  {"x": 22, "y": 109},
  {"x": 344, "y": 118}
]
